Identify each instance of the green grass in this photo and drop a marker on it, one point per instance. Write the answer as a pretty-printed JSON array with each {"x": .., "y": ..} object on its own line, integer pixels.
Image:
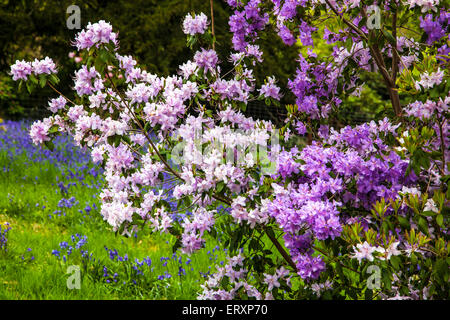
[{"x": 27, "y": 202}]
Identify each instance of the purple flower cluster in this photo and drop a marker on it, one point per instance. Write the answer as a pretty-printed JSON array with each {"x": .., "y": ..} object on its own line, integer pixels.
[
  {"x": 270, "y": 90},
  {"x": 435, "y": 29},
  {"x": 206, "y": 59},
  {"x": 305, "y": 33},
  {"x": 303, "y": 209},
  {"x": 245, "y": 24},
  {"x": 67, "y": 203},
  {"x": 314, "y": 99},
  {"x": 78, "y": 241},
  {"x": 3, "y": 240},
  {"x": 285, "y": 11}
]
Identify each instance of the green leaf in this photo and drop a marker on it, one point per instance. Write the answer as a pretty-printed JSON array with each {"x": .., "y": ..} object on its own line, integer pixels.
[
  {"x": 42, "y": 80},
  {"x": 176, "y": 245},
  {"x": 99, "y": 65},
  {"x": 368, "y": 294},
  {"x": 440, "y": 220},
  {"x": 404, "y": 222},
  {"x": 395, "y": 261},
  {"x": 220, "y": 186},
  {"x": 54, "y": 79},
  {"x": 30, "y": 87},
  {"x": 33, "y": 79},
  {"x": 440, "y": 271},
  {"x": 423, "y": 225},
  {"x": 386, "y": 278},
  {"x": 49, "y": 145},
  {"x": 389, "y": 37}
]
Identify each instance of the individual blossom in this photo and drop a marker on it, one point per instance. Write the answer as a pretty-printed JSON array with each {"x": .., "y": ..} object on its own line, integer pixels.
[
  {"x": 300, "y": 128},
  {"x": 271, "y": 281},
  {"x": 187, "y": 69},
  {"x": 430, "y": 206},
  {"x": 364, "y": 251},
  {"x": 270, "y": 90},
  {"x": 425, "y": 4},
  {"x": 392, "y": 250}
]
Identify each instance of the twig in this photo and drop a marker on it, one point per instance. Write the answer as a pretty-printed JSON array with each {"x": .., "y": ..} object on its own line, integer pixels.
[{"x": 212, "y": 24}]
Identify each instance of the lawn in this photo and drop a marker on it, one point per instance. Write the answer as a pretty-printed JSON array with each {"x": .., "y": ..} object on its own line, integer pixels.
[{"x": 50, "y": 220}]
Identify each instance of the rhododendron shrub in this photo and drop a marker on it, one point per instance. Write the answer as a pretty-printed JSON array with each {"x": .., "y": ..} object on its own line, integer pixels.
[{"x": 308, "y": 209}]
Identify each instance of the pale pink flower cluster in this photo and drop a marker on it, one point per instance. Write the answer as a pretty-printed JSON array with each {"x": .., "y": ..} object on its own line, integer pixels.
[
  {"x": 45, "y": 66},
  {"x": 95, "y": 34},
  {"x": 188, "y": 68},
  {"x": 39, "y": 130},
  {"x": 22, "y": 69},
  {"x": 57, "y": 104},
  {"x": 318, "y": 288},
  {"x": 270, "y": 90},
  {"x": 366, "y": 251},
  {"x": 196, "y": 24},
  {"x": 237, "y": 274},
  {"x": 425, "y": 110},
  {"x": 206, "y": 59},
  {"x": 425, "y": 4},
  {"x": 428, "y": 81},
  {"x": 194, "y": 228},
  {"x": 87, "y": 81}
]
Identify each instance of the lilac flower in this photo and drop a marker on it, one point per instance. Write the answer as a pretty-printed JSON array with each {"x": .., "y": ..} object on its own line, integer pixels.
[
  {"x": 39, "y": 131},
  {"x": 271, "y": 281},
  {"x": 270, "y": 90},
  {"x": 286, "y": 35},
  {"x": 309, "y": 267},
  {"x": 364, "y": 251},
  {"x": 305, "y": 33},
  {"x": 95, "y": 34},
  {"x": 46, "y": 66},
  {"x": 195, "y": 24},
  {"x": 21, "y": 70},
  {"x": 300, "y": 128},
  {"x": 57, "y": 104},
  {"x": 206, "y": 59}
]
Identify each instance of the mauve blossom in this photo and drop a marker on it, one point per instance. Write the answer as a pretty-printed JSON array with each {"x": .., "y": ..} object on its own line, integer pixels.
[
  {"x": 21, "y": 70},
  {"x": 206, "y": 59},
  {"x": 195, "y": 24}
]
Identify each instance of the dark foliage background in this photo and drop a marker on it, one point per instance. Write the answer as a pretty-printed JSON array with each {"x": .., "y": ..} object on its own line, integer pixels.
[{"x": 149, "y": 30}]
